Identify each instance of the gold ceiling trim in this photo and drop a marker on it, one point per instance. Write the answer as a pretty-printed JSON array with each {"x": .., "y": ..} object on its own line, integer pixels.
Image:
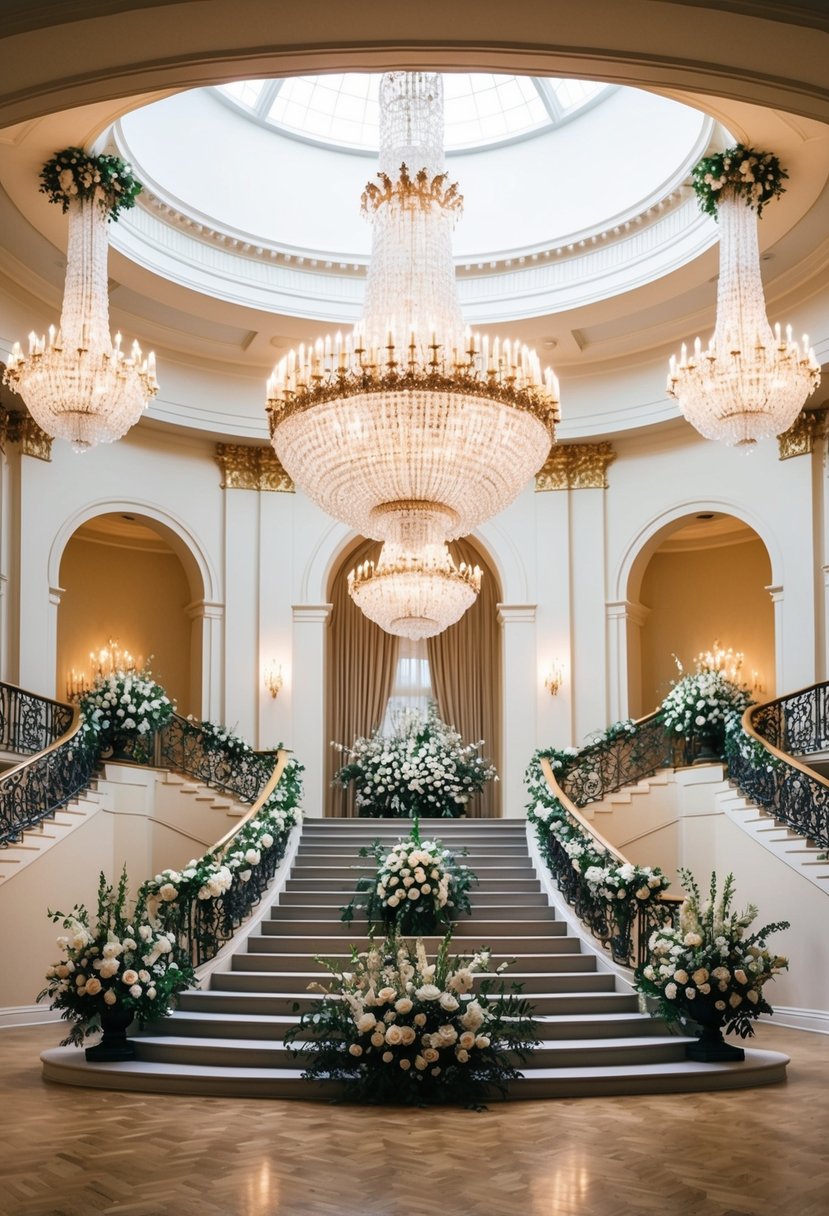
[
  {"x": 252, "y": 468},
  {"x": 576, "y": 466},
  {"x": 799, "y": 439},
  {"x": 22, "y": 428}
]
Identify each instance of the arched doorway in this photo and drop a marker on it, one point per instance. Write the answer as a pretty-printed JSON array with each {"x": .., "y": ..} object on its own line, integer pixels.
[
  {"x": 460, "y": 669},
  {"x": 122, "y": 580},
  {"x": 703, "y": 579}
]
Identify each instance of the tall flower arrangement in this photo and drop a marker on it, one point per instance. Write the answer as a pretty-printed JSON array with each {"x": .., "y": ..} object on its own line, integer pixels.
[
  {"x": 419, "y": 886},
  {"x": 121, "y": 961},
  {"x": 702, "y": 705},
  {"x": 395, "y": 1027},
  {"x": 709, "y": 968},
  {"x": 423, "y": 768}
]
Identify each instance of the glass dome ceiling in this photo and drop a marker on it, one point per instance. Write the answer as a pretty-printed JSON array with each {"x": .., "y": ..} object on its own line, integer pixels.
[{"x": 481, "y": 110}]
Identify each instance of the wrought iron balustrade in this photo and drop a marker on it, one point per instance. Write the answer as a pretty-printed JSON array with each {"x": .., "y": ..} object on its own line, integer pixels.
[
  {"x": 183, "y": 746},
  {"x": 604, "y": 767},
  {"x": 788, "y": 727},
  {"x": 58, "y": 765}
]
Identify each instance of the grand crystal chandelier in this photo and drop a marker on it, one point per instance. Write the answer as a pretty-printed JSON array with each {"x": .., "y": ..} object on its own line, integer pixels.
[
  {"x": 79, "y": 385},
  {"x": 750, "y": 382},
  {"x": 411, "y": 429}
]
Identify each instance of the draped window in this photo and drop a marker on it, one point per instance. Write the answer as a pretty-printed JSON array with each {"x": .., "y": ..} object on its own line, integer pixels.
[
  {"x": 465, "y": 667},
  {"x": 360, "y": 668}
]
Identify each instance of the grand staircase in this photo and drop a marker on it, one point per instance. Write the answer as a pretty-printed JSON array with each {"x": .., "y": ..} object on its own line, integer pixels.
[{"x": 226, "y": 1038}]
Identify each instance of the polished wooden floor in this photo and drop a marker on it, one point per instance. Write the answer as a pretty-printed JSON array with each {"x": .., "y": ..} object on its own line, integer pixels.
[{"x": 73, "y": 1152}]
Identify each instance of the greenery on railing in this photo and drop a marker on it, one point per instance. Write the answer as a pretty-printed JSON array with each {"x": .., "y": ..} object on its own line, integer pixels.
[
  {"x": 62, "y": 762},
  {"x": 619, "y": 902},
  {"x": 205, "y": 902}
]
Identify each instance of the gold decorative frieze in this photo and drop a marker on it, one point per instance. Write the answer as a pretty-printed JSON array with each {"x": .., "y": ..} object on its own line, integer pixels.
[
  {"x": 251, "y": 468},
  {"x": 799, "y": 439},
  {"x": 22, "y": 428},
  {"x": 576, "y": 466}
]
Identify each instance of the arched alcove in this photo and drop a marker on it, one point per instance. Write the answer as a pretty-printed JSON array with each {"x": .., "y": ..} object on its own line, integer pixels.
[
  {"x": 465, "y": 665},
  {"x": 122, "y": 579},
  {"x": 701, "y": 579}
]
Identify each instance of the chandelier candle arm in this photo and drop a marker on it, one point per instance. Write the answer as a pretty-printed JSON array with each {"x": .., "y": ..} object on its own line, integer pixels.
[
  {"x": 78, "y": 384},
  {"x": 750, "y": 382}
]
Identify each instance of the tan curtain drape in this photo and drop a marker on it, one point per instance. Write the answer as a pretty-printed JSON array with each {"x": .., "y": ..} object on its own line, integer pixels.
[
  {"x": 465, "y": 664},
  {"x": 360, "y": 666}
]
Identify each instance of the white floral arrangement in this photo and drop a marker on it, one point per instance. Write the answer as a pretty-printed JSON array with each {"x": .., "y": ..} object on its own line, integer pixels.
[
  {"x": 756, "y": 177},
  {"x": 701, "y": 704},
  {"x": 708, "y": 966},
  {"x": 217, "y": 738},
  {"x": 395, "y": 1027},
  {"x": 423, "y": 769},
  {"x": 419, "y": 886},
  {"x": 126, "y": 707},
  {"x": 74, "y": 174},
  {"x": 122, "y": 961}
]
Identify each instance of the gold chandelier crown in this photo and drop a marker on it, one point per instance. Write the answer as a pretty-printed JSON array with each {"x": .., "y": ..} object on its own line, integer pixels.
[{"x": 420, "y": 191}]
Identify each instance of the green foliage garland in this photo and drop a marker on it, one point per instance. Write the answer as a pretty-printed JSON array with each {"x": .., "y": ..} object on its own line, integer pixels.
[
  {"x": 77, "y": 174},
  {"x": 756, "y": 177}
]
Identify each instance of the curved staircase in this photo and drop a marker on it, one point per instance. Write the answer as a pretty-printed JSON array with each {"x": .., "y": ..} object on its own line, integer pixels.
[{"x": 226, "y": 1038}]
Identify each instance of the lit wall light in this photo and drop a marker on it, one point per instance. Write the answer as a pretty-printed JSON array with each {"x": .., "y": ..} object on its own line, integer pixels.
[
  {"x": 273, "y": 678},
  {"x": 757, "y": 684},
  {"x": 554, "y": 678}
]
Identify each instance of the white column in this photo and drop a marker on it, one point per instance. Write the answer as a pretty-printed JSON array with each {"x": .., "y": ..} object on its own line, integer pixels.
[
  {"x": 276, "y": 592},
  {"x": 588, "y": 633},
  {"x": 206, "y": 635},
  {"x": 519, "y": 723},
  {"x": 624, "y": 659},
  {"x": 308, "y": 679},
  {"x": 554, "y": 723},
  {"x": 782, "y": 682},
  {"x": 241, "y": 699}
]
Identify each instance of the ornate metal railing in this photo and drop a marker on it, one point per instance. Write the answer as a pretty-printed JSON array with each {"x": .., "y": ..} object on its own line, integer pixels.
[
  {"x": 606, "y": 766},
  {"x": 181, "y": 745},
  {"x": 58, "y": 767},
  {"x": 624, "y": 934},
  {"x": 785, "y": 786}
]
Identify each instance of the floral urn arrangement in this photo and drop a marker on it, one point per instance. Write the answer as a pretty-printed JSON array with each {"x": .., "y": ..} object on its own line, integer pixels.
[
  {"x": 125, "y": 709},
  {"x": 118, "y": 969},
  {"x": 709, "y": 971},
  {"x": 393, "y": 1027},
  {"x": 423, "y": 768},
  {"x": 419, "y": 887}
]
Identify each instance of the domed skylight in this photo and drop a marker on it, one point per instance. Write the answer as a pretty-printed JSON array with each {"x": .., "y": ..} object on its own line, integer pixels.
[{"x": 480, "y": 109}]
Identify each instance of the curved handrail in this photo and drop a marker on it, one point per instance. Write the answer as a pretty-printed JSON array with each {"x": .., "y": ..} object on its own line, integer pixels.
[
  {"x": 628, "y": 942},
  {"x": 51, "y": 775},
  {"x": 784, "y": 786},
  {"x": 606, "y": 765},
  {"x": 204, "y": 925}
]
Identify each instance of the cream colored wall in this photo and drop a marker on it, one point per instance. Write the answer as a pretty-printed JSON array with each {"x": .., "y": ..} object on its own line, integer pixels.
[
  {"x": 134, "y": 596},
  {"x": 698, "y": 596}
]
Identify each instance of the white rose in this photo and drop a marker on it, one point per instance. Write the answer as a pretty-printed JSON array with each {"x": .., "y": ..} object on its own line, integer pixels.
[
  {"x": 388, "y": 1056},
  {"x": 93, "y": 986},
  {"x": 108, "y": 967},
  {"x": 394, "y": 1035},
  {"x": 404, "y": 1005},
  {"x": 366, "y": 1022},
  {"x": 405, "y": 1064},
  {"x": 355, "y": 1049},
  {"x": 448, "y": 1002},
  {"x": 467, "y": 1039},
  {"x": 109, "y": 997},
  {"x": 461, "y": 1056},
  {"x": 378, "y": 1039},
  {"x": 135, "y": 991},
  {"x": 428, "y": 992},
  {"x": 168, "y": 892}
]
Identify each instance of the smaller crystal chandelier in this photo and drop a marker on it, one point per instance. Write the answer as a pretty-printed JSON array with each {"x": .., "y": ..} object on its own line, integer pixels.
[
  {"x": 416, "y": 594},
  {"x": 80, "y": 385},
  {"x": 749, "y": 383}
]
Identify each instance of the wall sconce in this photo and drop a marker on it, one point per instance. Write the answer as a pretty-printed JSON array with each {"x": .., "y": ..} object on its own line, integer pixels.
[
  {"x": 273, "y": 678},
  {"x": 757, "y": 684},
  {"x": 554, "y": 678}
]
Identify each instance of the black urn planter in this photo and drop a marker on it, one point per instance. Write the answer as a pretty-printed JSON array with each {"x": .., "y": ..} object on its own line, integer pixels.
[
  {"x": 711, "y": 1047},
  {"x": 114, "y": 1044}
]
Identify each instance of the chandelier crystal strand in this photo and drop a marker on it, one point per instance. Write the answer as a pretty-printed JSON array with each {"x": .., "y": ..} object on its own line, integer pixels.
[
  {"x": 78, "y": 384},
  {"x": 410, "y": 407},
  {"x": 750, "y": 383}
]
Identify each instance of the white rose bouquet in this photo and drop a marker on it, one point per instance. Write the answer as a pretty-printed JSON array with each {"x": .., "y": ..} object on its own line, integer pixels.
[
  {"x": 122, "y": 961},
  {"x": 423, "y": 768},
  {"x": 217, "y": 738},
  {"x": 756, "y": 177},
  {"x": 126, "y": 708},
  {"x": 396, "y": 1028},
  {"x": 75, "y": 174},
  {"x": 418, "y": 888},
  {"x": 709, "y": 969}
]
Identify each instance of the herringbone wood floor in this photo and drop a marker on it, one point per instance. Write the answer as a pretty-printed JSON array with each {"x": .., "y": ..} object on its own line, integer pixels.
[{"x": 76, "y": 1152}]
